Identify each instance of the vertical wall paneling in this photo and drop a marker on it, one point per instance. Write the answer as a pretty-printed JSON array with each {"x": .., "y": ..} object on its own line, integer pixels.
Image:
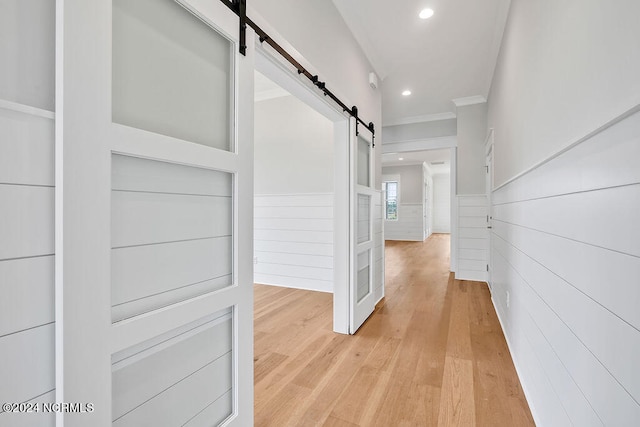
[
  {"x": 566, "y": 259},
  {"x": 27, "y": 146},
  {"x": 293, "y": 240},
  {"x": 473, "y": 237}
]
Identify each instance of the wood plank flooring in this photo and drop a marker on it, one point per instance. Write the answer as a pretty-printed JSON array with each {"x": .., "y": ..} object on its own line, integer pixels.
[{"x": 432, "y": 354}]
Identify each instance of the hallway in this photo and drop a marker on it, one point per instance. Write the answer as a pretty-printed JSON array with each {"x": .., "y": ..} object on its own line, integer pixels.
[{"x": 431, "y": 354}]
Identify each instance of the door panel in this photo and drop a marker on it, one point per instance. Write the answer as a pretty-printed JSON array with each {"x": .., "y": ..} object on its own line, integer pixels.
[
  {"x": 362, "y": 299},
  {"x": 154, "y": 281}
]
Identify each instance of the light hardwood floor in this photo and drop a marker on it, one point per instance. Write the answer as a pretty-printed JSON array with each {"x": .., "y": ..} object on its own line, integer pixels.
[{"x": 432, "y": 353}]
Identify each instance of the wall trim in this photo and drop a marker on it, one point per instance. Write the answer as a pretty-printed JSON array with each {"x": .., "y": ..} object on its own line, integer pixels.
[
  {"x": 525, "y": 389},
  {"x": 469, "y": 100},
  {"x": 420, "y": 144},
  {"x": 304, "y": 288},
  {"x": 617, "y": 119},
  {"x": 293, "y": 194},
  {"x": 27, "y": 109},
  {"x": 420, "y": 119}
]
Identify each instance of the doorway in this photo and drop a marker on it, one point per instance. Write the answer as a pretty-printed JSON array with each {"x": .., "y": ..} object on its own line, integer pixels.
[
  {"x": 421, "y": 202},
  {"x": 323, "y": 211}
]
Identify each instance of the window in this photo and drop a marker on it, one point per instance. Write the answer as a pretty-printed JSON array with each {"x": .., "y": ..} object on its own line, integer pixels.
[{"x": 391, "y": 200}]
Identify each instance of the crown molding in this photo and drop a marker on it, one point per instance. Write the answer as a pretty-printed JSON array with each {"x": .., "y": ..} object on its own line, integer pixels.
[
  {"x": 420, "y": 119},
  {"x": 469, "y": 100}
]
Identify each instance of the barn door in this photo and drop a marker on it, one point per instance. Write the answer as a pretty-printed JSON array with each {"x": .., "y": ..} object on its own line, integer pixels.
[
  {"x": 154, "y": 209},
  {"x": 361, "y": 295}
]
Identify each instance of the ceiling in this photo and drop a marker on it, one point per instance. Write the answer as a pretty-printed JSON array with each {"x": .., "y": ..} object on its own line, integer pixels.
[{"x": 448, "y": 56}]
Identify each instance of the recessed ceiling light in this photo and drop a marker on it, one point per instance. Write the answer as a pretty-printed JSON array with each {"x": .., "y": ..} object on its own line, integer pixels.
[
  {"x": 400, "y": 158},
  {"x": 406, "y": 93},
  {"x": 426, "y": 13}
]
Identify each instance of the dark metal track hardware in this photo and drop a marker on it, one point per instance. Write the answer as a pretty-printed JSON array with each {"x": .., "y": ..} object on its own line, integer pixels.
[{"x": 239, "y": 7}]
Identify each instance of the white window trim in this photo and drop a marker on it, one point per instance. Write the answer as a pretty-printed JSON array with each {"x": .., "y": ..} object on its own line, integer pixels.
[{"x": 392, "y": 178}]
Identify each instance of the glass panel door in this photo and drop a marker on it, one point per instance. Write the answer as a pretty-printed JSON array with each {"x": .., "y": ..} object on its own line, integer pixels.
[
  {"x": 362, "y": 300},
  {"x": 154, "y": 284}
]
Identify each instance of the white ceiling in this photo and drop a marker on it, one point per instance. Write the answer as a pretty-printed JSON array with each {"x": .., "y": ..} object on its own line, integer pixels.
[
  {"x": 451, "y": 55},
  {"x": 419, "y": 157}
]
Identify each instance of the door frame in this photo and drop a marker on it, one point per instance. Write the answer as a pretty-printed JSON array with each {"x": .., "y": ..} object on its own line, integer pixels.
[{"x": 280, "y": 72}]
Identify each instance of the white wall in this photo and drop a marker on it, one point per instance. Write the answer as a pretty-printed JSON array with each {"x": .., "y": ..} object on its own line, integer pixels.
[
  {"x": 565, "y": 233},
  {"x": 293, "y": 148},
  {"x": 472, "y": 132},
  {"x": 565, "y": 69},
  {"x": 422, "y": 130},
  {"x": 441, "y": 203},
  {"x": 293, "y": 216},
  {"x": 409, "y": 225},
  {"x": 27, "y": 207}
]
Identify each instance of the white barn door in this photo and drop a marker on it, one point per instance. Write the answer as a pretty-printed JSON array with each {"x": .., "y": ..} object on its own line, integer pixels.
[
  {"x": 154, "y": 214},
  {"x": 361, "y": 294}
]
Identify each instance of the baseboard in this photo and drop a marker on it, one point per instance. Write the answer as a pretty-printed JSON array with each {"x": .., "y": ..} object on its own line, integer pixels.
[
  {"x": 302, "y": 288},
  {"x": 476, "y": 276},
  {"x": 525, "y": 390}
]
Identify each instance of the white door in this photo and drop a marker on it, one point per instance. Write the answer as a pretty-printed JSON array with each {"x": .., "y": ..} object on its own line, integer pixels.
[
  {"x": 361, "y": 295},
  {"x": 426, "y": 213},
  {"x": 489, "y": 189},
  {"x": 154, "y": 208}
]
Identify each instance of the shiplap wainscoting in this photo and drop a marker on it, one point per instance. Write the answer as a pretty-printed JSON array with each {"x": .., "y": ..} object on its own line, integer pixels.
[
  {"x": 566, "y": 261},
  {"x": 26, "y": 260},
  {"x": 408, "y": 226},
  {"x": 293, "y": 240},
  {"x": 27, "y": 203},
  {"x": 473, "y": 237}
]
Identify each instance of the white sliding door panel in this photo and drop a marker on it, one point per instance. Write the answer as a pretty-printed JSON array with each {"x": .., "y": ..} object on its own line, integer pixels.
[
  {"x": 362, "y": 299},
  {"x": 171, "y": 74},
  {"x": 153, "y": 218},
  {"x": 154, "y": 213},
  {"x": 154, "y": 369},
  {"x": 136, "y": 174}
]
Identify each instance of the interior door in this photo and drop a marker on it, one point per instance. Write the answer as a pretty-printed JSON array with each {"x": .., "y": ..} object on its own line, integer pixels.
[
  {"x": 426, "y": 213},
  {"x": 361, "y": 295},
  {"x": 489, "y": 189},
  {"x": 154, "y": 211}
]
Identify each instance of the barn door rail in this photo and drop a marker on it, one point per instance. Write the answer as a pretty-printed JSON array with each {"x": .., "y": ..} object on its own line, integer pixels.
[{"x": 239, "y": 7}]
